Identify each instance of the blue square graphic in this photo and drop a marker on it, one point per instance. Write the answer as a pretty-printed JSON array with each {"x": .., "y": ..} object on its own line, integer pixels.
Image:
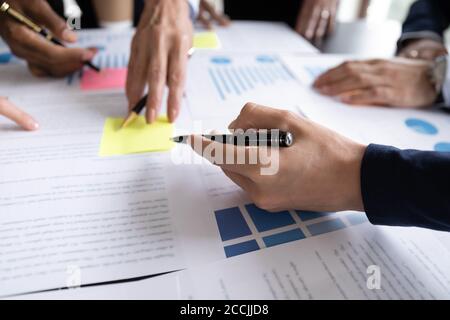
[
  {"x": 266, "y": 220},
  {"x": 326, "y": 226},
  {"x": 309, "y": 215},
  {"x": 231, "y": 224},
  {"x": 241, "y": 248},
  {"x": 357, "y": 218},
  {"x": 283, "y": 237}
]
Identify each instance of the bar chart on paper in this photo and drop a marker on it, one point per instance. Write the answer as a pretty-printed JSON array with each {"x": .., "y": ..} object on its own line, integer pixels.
[
  {"x": 228, "y": 81},
  {"x": 248, "y": 228}
]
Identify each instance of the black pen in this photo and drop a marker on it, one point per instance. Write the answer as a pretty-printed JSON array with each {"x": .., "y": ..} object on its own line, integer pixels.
[
  {"x": 141, "y": 104},
  {"x": 259, "y": 138},
  {"x": 6, "y": 8}
]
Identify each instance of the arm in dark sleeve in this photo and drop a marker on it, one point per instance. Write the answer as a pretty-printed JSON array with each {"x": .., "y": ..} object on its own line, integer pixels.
[
  {"x": 429, "y": 16},
  {"x": 406, "y": 187}
]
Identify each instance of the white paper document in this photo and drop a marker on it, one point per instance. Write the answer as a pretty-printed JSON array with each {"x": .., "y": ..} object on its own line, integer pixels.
[
  {"x": 63, "y": 208},
  {"x": 364, "y": 262},
  {"x": 254, "y": 36}
]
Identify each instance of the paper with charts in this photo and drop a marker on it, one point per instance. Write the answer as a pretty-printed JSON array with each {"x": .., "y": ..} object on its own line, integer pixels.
[{"x": 229, "y": 80}]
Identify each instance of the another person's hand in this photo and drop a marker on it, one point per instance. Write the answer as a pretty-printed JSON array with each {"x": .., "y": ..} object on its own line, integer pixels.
[
  {"x": 159, "y": 55},
  {"x": 425, "y": 49},
  {"x": 399, "y": 82},
  {"x": 317, "y": 19},
  {"x": 319, "y": 172},
  {"x": 44, "y": 58},
  {"x": 208, "y": 16},
  {"x": 10, "y": 111}
]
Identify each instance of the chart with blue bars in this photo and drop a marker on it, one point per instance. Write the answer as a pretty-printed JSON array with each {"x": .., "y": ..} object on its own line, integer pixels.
[
  {"x": 106, "y": 60},
  {"x": 111, "y": 51},
  {"x": 231, "y": 79},
  {"x": 248, "y": 228}
]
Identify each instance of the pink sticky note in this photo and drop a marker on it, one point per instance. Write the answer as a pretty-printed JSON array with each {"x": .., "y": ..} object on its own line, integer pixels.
[{"x": 105, "y": 79}]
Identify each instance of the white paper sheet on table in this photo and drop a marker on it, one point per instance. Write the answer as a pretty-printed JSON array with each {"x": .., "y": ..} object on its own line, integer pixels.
[
  {"x": 412, "y": 265},
  {"x": 253, "y": 36}
]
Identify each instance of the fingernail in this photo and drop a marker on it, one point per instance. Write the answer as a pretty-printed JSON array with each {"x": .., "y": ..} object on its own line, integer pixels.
[
  {"x": 33, "y": 125},
  {"x": 88, "y": 55},
  {"x": 173, "y": 114},
  {"x": 152, "y": 114},
  {"x": 69, "y": 35}
]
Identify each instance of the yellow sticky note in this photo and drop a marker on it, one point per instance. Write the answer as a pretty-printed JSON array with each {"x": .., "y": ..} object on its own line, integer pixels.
[
  {"x": 206, "y": 40},
  {"x": 138, "y": 137}
]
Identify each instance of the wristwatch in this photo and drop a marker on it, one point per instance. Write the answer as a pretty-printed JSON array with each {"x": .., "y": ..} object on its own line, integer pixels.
[{"x": 438, "y": 72}]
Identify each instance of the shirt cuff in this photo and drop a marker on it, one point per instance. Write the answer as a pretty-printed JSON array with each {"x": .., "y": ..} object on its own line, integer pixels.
[
  {"x": 381, "y": 191},
  {"x": 417, "y": 35},
  {"x": 194, "y": 6}
]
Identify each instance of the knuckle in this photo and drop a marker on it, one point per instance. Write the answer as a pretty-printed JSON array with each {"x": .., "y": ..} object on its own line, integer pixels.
[
  {"x": 248, "y": 108},
  {"x": 377, "y": 92},
  {"x": 263, "y": 202},
  {"x": 347, "y": 65},
  {"x": 175, "y": 79},
  {"x": 156, "y": 72}
]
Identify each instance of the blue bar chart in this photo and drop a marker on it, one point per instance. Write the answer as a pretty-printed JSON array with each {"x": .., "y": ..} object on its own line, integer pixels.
[
  {"x": 248, "y": 228},
  {"x": 232, "y": 79}
]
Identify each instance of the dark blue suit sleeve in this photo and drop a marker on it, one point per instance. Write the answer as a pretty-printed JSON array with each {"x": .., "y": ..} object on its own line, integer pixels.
[
  {"x": 428, "y": 15},
  {"x": 406, "y": 187}
]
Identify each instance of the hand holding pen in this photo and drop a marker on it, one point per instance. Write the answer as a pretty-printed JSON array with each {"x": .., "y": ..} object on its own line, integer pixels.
[{"x": 45, "y": 56}]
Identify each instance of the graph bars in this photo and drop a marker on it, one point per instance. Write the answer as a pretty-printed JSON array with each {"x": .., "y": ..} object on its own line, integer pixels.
[{"x": 248, "y": 228}]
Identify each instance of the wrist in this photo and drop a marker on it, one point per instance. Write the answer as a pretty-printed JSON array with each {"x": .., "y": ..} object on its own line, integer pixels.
[{"x": 353, "y": 195}]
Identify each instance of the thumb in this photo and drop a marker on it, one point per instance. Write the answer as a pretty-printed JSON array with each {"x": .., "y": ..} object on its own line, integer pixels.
[{"x": 44, "y": 15}]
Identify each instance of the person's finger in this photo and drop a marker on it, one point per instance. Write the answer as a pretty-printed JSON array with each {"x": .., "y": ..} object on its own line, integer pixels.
[
  {"x": 238, "y": 159},
  {"x": 313, "y": 22},
  {"x": 382, "y": 96},
  {"x": 332, "y": 21},
  {"x": 55, "y": 60},
  {"x": 245, "y": 183},
  {"x": 221, "y": 19},
  {"x": 10, "y": 111},
  {"x": 303, "y": 18},
  {"x": 322, "y": 27},
  {"x": 177, "y": 76},
  {"x": 43, "y": 14},
  {"x": 37, "y": 71},
  {"x": 157, "y": 75},
  {"x": 254, "y": 116},
  {"x": 356, "y": 82},
  {"x": 342, "y": 71},
  {"x": 205, "y": 21},
  {"x": 137, "y": 71}
]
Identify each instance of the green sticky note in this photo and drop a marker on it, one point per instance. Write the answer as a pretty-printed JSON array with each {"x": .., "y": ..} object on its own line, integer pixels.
[
  {"x": 138, "y": 137},
  {"x": 206, "y": 40}
]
